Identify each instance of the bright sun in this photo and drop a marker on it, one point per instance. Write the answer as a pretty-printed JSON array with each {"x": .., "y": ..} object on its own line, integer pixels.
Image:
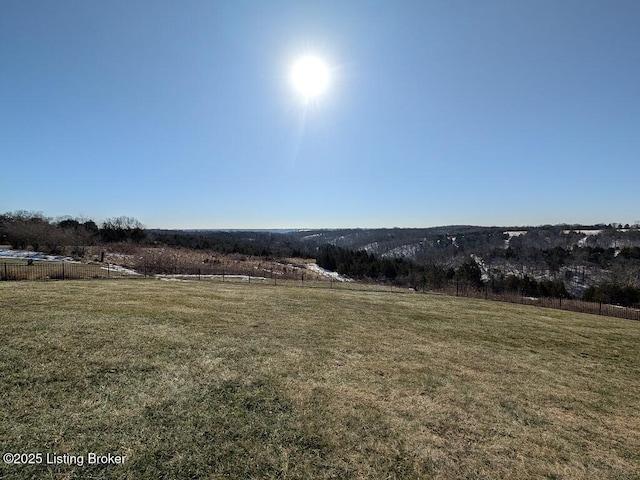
[{"x": 310, "y": 76}]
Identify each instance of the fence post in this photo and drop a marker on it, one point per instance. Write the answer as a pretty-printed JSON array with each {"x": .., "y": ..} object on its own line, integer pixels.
[
  {"x": 457, "y": 287},
  {"x": 108, "y": 270},
  {"x": 223, "y": 276},
  {"x": 560, "y": 302},
  {"x": 600, "y": 308},
  {"x": 6, "y": 277},
  {"x": 62, "y": 270}
]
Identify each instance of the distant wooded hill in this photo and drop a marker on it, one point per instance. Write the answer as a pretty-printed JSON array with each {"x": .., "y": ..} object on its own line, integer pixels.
[
  {"x": 581, "y": 258},
  {"x": 577, "y": 256}
]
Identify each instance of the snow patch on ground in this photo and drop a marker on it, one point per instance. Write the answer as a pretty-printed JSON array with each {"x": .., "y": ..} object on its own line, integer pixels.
[
  {"x": 179, "y": 276},
  {"x": 483, "y": 268},
  {"x": 371, "y": 247},
  {"x": 583, "y": 232},
  {"x": 402, "y": 251},
  {"x": 587, "y": 233},
  {"x": 512, "y": 233},
  {"x": 6, "y": 253},
  {"x": 309, "y": 237},
  {"x": 328, "y": 273},
  {"x": 27, "y": 255},
  {"x": 120, "y": 269},
  {"x": 293, "y": 267}
]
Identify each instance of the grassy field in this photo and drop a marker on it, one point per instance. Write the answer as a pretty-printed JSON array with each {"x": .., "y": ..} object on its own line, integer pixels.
[{"x": 202, "y": 380}]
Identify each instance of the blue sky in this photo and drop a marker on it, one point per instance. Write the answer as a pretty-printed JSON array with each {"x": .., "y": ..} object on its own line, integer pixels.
[{"x": 182, "y": 114}]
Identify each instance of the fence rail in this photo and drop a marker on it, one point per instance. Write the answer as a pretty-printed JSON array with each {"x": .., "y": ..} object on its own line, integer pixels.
[
  {"x": 56, "y": 271},
  {"x": 573, "y": 305},
  {"x": 10, "y": 271}
]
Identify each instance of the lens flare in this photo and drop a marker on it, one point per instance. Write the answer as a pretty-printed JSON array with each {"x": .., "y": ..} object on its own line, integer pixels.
[{"x": 310, "y": 76}]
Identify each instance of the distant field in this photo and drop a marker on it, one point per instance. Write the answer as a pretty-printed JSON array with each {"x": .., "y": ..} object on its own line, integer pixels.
[{"x": 213, "y": 380}]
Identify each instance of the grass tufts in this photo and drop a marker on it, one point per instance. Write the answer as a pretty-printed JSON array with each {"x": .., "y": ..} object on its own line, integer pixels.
[{"x": 201, "y": 380}]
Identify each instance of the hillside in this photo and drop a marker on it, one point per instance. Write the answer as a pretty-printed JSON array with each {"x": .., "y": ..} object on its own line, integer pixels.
[
  {"x": 579, "y": 256},
  {"x": 593, "y": 262},
  {"x": 193, "y": 380}
]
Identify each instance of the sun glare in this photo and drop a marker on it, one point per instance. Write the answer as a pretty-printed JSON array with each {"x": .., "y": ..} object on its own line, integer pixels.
[{"x": 310, "y": 76}]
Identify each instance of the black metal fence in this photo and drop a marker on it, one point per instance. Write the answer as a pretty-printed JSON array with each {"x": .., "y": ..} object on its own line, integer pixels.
[
  {"x": 573, "y": 305},
  {"x": 57, "y": 271},
  {"x": 81, "y": 271}
]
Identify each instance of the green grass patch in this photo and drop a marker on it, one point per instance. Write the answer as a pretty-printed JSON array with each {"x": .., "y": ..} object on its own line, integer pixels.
[{"x": 213, "y": 380}]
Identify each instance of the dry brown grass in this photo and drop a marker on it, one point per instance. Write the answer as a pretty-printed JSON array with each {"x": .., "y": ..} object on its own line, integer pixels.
[
  {"x": 171, "y": 260},
  {"x": 200, "y": 380}
]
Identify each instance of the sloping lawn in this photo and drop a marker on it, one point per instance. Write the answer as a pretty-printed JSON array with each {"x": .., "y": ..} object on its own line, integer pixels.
[{"x": 200, "y": 380}]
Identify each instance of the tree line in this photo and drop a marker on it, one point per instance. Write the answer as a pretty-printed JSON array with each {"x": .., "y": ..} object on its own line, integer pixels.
[
  {"x": 67, "y": 235},
  {"x": 22, "y": 230},
  {"x": 358, "y": 264},
  {"x": 259, "y": 244},
  {"x": 614, "y": 294}
]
